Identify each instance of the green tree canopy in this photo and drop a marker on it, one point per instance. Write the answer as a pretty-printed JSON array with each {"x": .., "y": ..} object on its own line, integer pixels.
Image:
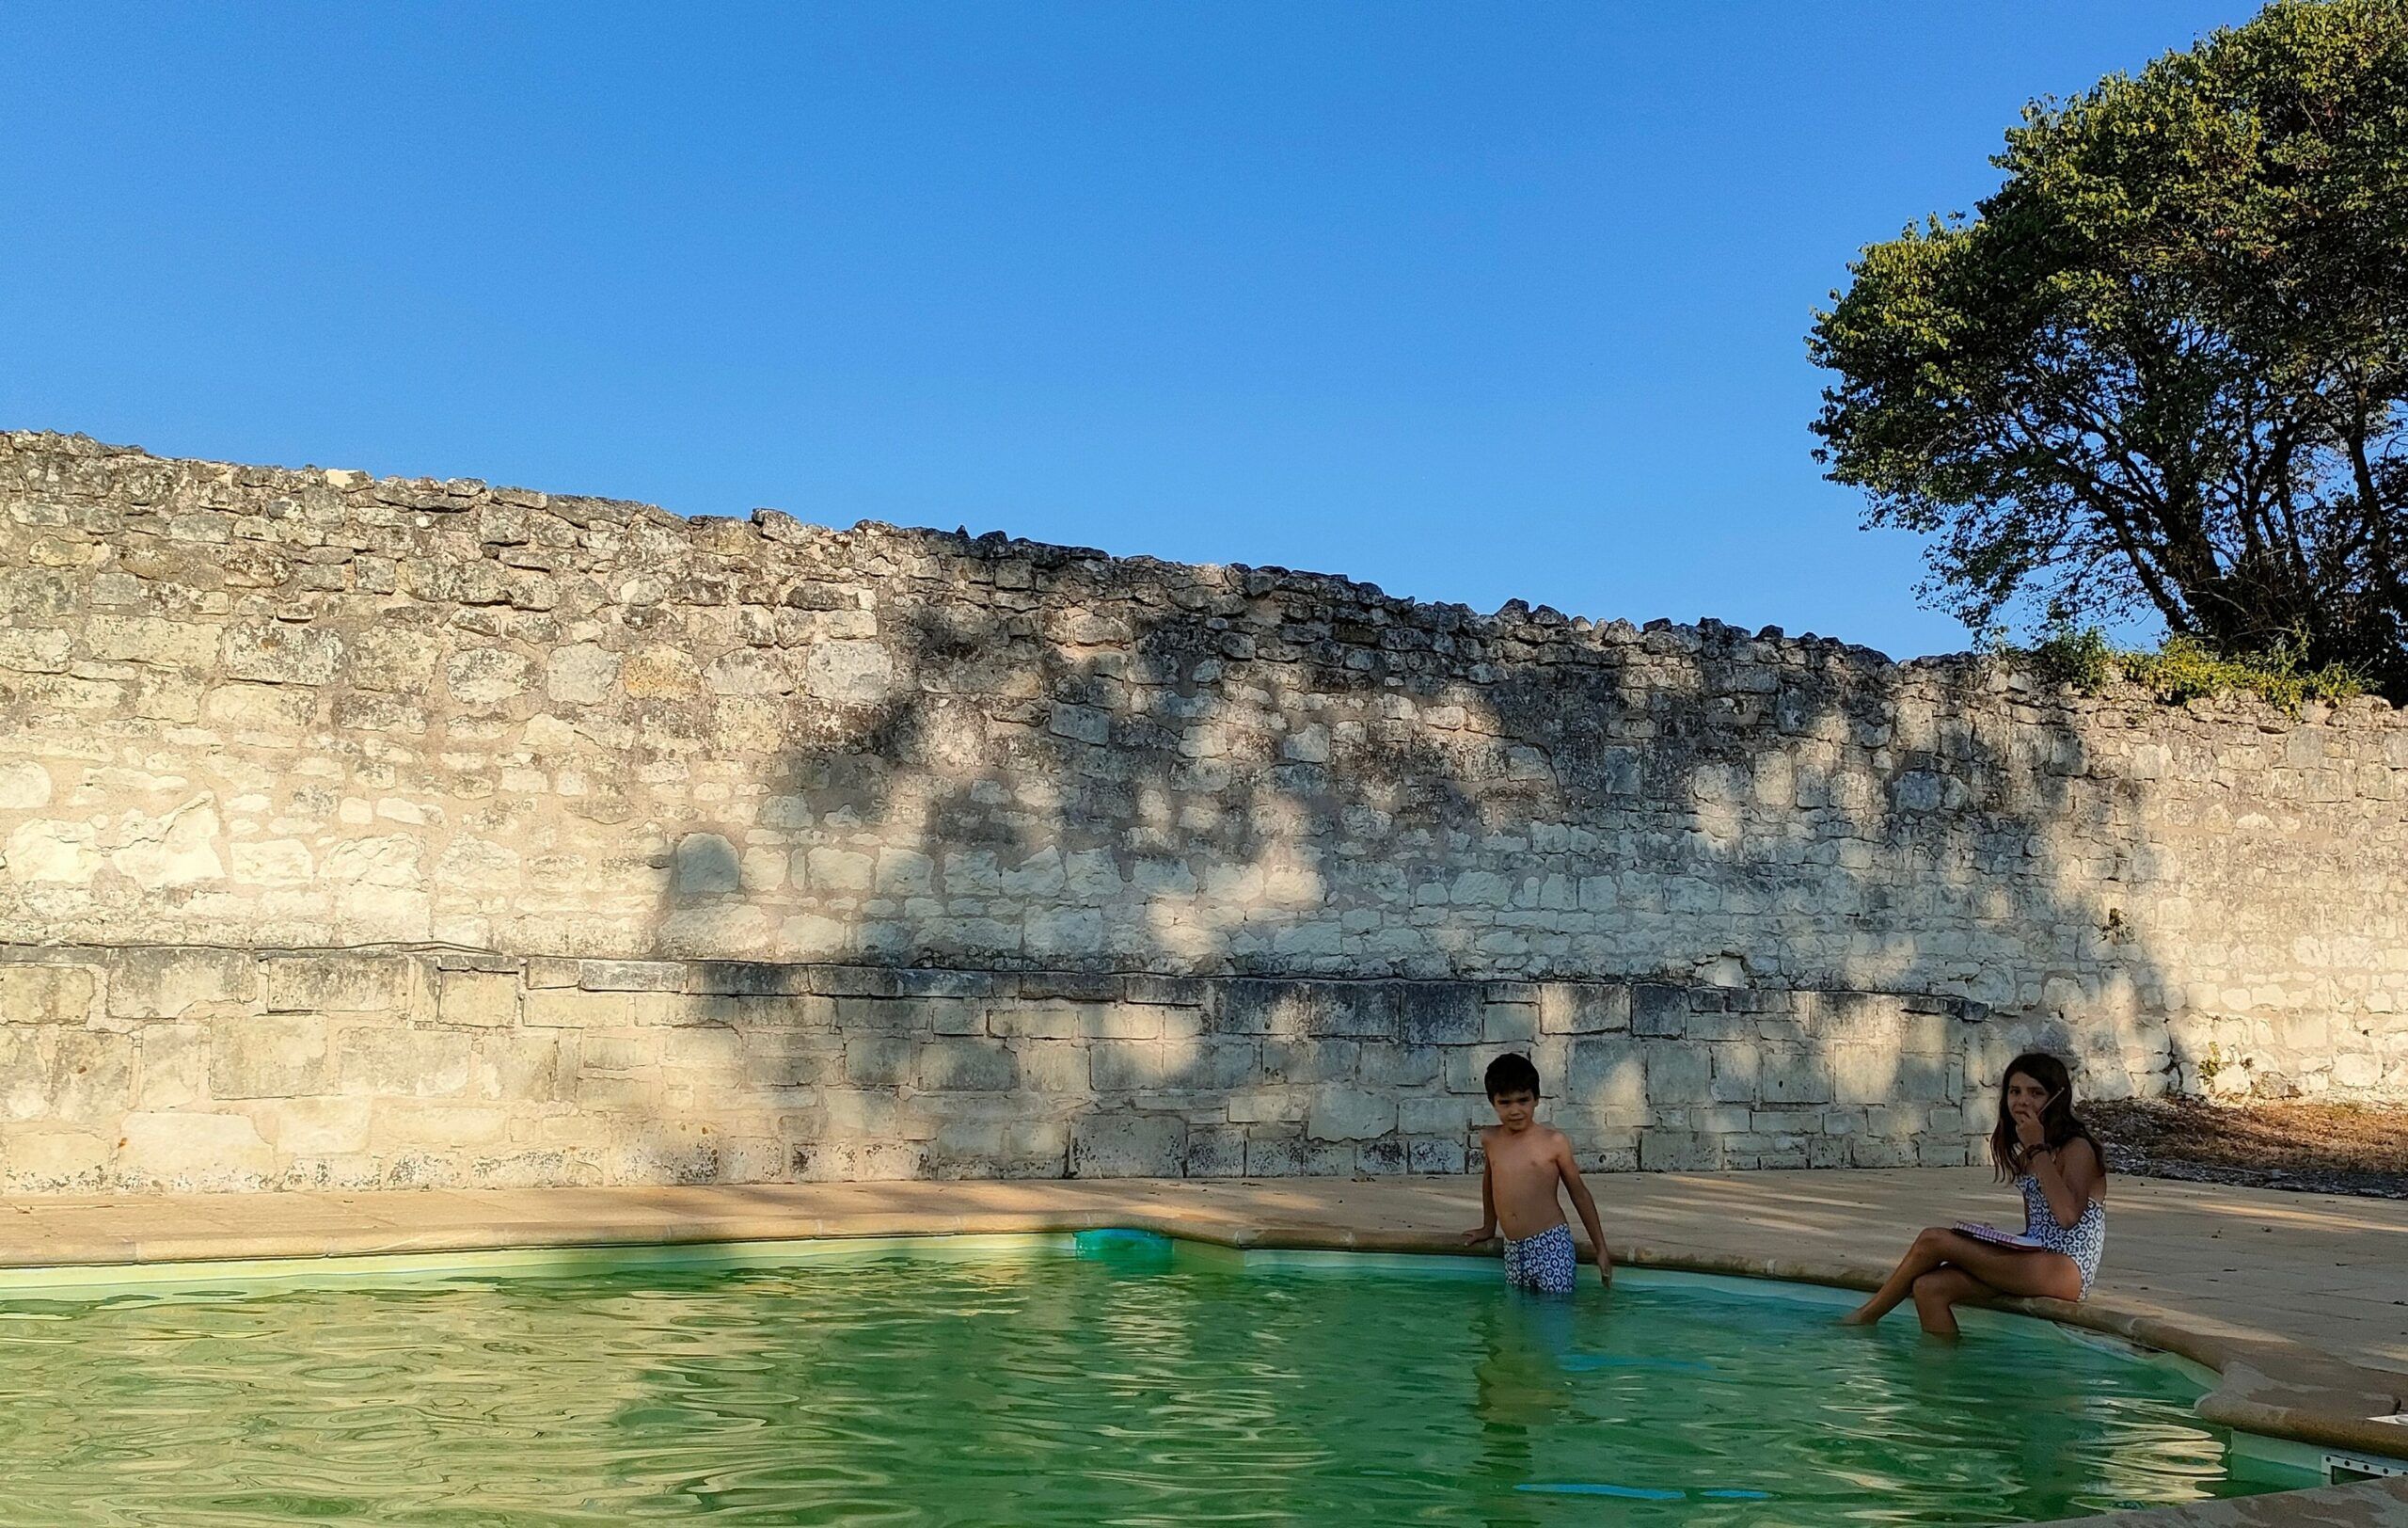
[{"x": 2166, "y": 366}]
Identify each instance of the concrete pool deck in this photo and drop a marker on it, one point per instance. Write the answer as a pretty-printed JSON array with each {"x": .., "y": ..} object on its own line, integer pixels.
[{"x": 2300, "y": 1301}]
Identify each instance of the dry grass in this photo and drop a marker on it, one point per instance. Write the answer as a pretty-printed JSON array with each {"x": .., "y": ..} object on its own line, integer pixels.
[{"x": 2288, "y": 1140}]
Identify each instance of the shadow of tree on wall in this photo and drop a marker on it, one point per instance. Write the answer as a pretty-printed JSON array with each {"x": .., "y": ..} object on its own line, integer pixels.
[{"x": 1118, "y": 768}]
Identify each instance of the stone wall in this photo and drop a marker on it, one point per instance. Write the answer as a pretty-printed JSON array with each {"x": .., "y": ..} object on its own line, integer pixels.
[
  {"x": 269, "y": 713},
  {"x": 212, "y": 1068}
]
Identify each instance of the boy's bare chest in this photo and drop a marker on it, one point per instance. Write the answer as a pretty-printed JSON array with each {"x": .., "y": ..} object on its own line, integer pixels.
[{"x": 1523, "y": 1159}]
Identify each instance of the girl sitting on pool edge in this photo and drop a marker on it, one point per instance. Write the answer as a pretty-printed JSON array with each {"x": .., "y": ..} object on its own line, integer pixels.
[{"x": 2058, "y": 1163}]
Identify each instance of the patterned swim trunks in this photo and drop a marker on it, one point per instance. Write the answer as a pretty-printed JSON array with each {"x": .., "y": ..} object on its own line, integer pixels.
[{"x": 1545, "y": 1261}]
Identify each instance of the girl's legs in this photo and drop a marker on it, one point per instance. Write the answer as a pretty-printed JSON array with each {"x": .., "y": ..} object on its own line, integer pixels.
[
  {"x": 2004, "y": 1271},
  {"x": 1941, "y": 1289}
]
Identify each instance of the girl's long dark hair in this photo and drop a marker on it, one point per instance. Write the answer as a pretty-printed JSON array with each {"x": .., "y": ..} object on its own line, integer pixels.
[{"x": 2057, "y": 1122}]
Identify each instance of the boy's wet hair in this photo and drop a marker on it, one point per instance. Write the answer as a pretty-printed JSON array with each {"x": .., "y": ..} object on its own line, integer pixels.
[{"x": 1513, "y": 1075}]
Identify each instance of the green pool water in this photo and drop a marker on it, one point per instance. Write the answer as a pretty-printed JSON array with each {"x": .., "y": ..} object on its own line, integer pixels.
[{"x": 1103, "y": 1378}]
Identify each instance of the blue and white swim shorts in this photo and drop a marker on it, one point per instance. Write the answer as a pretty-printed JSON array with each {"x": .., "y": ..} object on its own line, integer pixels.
[{"x": 1545, "y": 1261}]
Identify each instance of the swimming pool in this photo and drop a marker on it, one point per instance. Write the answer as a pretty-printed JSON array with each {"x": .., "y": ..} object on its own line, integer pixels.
[{"x": 1092, "y": 1378}]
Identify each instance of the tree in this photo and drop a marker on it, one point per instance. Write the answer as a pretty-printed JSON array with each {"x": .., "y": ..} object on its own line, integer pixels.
[{"x": 2166, "y": 366}]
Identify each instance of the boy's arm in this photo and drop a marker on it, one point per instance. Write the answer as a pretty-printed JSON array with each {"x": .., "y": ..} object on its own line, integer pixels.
[
  {"x": 1586, "y": 1203},
  {"x": 1487, "y": 1198}
]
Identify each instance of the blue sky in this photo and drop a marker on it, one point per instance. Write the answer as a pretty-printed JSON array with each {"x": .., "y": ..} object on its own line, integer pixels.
[{"x": 1473, "y": 301}]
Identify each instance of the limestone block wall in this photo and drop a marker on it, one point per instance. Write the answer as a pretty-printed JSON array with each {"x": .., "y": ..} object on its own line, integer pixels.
[
  {"x": 270, "y": 712},
  {"x": 212, "y": 1068}
]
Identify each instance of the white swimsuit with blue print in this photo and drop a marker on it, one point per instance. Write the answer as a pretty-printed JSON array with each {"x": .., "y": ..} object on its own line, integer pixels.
[{"x": 2081, "y": 1241}]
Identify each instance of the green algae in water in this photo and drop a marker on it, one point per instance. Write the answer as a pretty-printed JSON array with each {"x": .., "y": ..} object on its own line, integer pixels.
[{"x": 1119, "y": 1383}]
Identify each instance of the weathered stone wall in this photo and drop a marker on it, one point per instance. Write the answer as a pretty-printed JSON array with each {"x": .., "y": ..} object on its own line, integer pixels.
[
  {"x": 217, "y": 1069},
  {"x": 282, "y": 712}
]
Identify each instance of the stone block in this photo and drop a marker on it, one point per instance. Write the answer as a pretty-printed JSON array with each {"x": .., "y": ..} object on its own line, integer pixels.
[
  {"x": 552, "y": 971},
  {"x": 1214, "y": 1063},
  {"x": 1439, "y": 1012},
  {"x": 1879, "y": 1152},
  {"x": 789, "y": 1059},
  {"x": 1659, "y": 1011},
  {"x": 185, "y": 1151},
  {"x": 1120, "y": 1021},
  {"x": 954, "y": 1016},
  {"x": 1583, "y": 1008},
  {"x": 925, "y": 983},
  {"x": 1166, "y": 992},
  {"x": 1791, "y": 1074},
  {"x": 316, "y": 1126},
  {"x": 966, "y": 1066},
  {"x": 741, "y": 978},
  {"x": 1125, "y": 1065},
  {"x": 714, "y": 1052},
  {"x": 175, "y": 1065},
  {"x": 1942, "y": 1152},
  {"x": 1434, "y": 1156},
  {"x": 167, "y": 982},
  {"x": 1264, "y": 1105},
  {"x": 1214, "y": 1152},
  {"x": 1735, "y": 1070},
  {"x": 396, "y": 659},
  {"x": 879, "y": 1015},
  {"x": 583, "y": 675},
  {"x": 1310, "y": 1061},
  {"x": 1508, "y": 1024},
  {"x": 521, "y": 1067},
  {"x": 268, "y": 1055},
  {"x": 878, "y": 1061},
  {"x": 402, "y": 1064},
  {"x": 1400, "y": 1066},
  {"x": 632, "y": 976},
  {"x": 278, "y": 652},
  {"x": 855, "y": 981},
  {"x": 42, "y": 1157},
  {"x": 1128, "y": 1146},
  {"x": 1679, "y": 1150},
  {"x": 1677, "y": 1074},
  {"x": 45, "y": 993},
  {"x": 337, "y": 984},
  {"x": 1070, "y": 986},
  {"x": 1283, "y": 1152},
  {"x": 442, "y": 1130},
  {"x": 1312, "y": 1010},
  {"x": 1442, "y": 1114},
  {"x": 875, "y": 1114},
  {"x": 479, "y": 1000},
  {"x": 487, "y": 678},
  {"x": 1064, "y": 933},
  {"x": 1038, "y": 1021},
  {"x": 23, "y": 787},
  {"x": 1861, "y": 1073},
  {"x": 1051, "y": 1068},
  {"x": 573, "y": 1007},
  {"x": 1342, "y": 1113}
]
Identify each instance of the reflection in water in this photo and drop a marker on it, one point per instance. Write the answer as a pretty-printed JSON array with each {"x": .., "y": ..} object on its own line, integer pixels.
[{"x": 1122, "y": 1385}]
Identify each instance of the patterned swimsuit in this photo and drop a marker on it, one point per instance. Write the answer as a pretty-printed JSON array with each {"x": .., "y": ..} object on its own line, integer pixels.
[
  {"x": 1546, "y": 1262},
  {"x": 2081, "y": 1241}
]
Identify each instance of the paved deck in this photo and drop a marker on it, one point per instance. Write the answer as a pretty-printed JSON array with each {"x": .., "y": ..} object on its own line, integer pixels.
[{"x": 2300, "y": 1301}]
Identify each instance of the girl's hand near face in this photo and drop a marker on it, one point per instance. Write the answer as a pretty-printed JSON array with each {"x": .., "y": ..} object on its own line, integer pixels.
[{"x": 2031, "y": 1131}]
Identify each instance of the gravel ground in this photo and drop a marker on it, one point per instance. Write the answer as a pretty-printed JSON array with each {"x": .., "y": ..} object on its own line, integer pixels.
[{"x": 2313, "y": 1148}]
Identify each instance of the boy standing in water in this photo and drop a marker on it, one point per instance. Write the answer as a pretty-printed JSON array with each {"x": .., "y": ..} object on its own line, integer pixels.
[{"x": 1528, "y": 1163}]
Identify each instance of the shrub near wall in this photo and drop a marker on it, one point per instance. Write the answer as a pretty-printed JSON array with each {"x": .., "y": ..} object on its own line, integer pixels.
[{"x": 500, "y": 736}]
